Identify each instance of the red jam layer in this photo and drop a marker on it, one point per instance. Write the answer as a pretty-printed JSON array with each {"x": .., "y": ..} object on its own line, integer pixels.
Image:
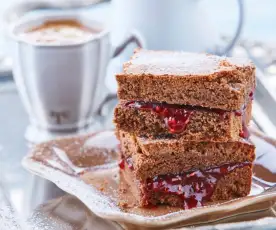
[
  {"x": 176, "y": 117},
  {"x": 194, "y": 188},
  {"x": 251, "y": 94},
  {"x": 122, "y": 164},
  {"x": 244, "y": 133}
]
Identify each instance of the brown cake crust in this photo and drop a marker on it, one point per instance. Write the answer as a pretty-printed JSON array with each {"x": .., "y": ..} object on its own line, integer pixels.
[
  {"x": 233, "y": 185},
  {"x": 204, "y": 124},
  {"x": 187, "y": 78},
  {"x": 171, "y": 156}
]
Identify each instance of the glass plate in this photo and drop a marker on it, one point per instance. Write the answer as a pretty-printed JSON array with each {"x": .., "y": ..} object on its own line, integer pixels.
[{"x": 97, "y": 187}]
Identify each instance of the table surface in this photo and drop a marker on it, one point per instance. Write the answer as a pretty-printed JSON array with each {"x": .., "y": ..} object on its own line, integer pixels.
[
  {"x": 24, "y": 190},
  {"x": 15, "y": 179}
]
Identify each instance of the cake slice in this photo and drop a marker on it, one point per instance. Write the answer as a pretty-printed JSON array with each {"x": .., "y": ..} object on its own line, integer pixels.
[
  {"x": 191, "y": 123},
  {"x": 185, "y": 173},
  {"x": 187, "y": 79}
]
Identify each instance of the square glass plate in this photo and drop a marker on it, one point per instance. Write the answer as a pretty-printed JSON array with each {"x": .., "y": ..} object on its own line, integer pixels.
[{"x": 97, "y": 187}]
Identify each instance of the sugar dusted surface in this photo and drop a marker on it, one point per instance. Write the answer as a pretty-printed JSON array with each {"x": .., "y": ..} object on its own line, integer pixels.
[{"x": 180, "y": 63}]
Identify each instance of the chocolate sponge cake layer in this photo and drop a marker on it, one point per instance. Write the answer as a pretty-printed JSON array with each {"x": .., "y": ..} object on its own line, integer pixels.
[
  {"x": 236, "y": 183},
  {"x": 187, "y": 78},
  {"x": 189, "y": 123},
  {"x": 168, "y": 156}
]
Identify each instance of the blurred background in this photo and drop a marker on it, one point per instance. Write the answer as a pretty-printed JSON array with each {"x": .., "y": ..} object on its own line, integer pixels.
[{"x": 257, "y": 40}]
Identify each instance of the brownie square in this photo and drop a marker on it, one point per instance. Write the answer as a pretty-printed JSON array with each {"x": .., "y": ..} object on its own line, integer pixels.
[
  {"x": 185, "y": 173},
  {"x": 153, "y": 120},
  {"x": 187, "y": 78},
  {"x": 151, "y": 157}
]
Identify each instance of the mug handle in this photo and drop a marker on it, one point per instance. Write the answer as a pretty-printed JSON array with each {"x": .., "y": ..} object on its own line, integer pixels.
[
  {"x": 133, "y": 37},
  {"x": 234, "y": 40}
]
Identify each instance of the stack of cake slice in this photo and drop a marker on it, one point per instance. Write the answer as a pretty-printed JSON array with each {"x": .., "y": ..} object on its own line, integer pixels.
[{"x": 182, "y": 123}]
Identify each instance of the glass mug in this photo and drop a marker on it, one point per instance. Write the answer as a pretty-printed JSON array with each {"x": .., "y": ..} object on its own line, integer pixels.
[{"x": 62, "y": 83}]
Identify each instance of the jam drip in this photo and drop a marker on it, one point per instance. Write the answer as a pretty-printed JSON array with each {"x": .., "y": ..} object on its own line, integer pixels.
[
  {"x": 194, "y": 188},
  {"x": 176, "y": 117},
  {"x": 126, "y": 161},
  {"x": 251, "y": 95},
  {"x": 244, "y": 133},
  {"x": 122, "y": 164}
]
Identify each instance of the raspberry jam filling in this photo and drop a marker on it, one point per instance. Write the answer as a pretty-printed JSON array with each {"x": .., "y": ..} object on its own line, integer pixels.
[
  {"x": 251, "y": 94},
  {"x": 244, "y": 133},
  {"x": 122, "y": 164},
  {"x": 177, "y": 117},
  {"x": 194, "y": 188}
]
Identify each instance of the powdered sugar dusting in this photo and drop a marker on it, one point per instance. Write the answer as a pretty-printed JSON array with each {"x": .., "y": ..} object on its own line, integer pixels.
[{"x": 63, "y": 157}]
